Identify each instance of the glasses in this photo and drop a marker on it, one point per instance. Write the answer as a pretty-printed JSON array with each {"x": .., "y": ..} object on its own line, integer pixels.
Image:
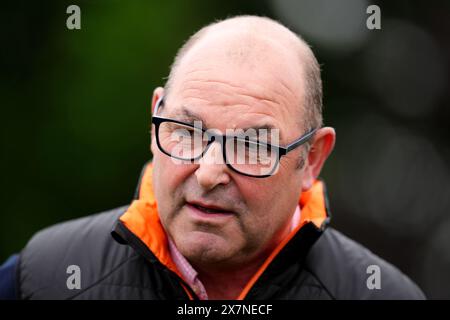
[{"x": 246, "y": 153}]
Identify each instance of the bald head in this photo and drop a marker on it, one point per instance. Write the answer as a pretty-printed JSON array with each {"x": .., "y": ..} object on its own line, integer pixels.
[{"x": 265, "y": 49}]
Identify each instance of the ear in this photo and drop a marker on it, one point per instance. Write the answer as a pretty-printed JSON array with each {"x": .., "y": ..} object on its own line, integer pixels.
[
  {"x": 157, "y": 93},
  {"x": 321, "y": 147}
]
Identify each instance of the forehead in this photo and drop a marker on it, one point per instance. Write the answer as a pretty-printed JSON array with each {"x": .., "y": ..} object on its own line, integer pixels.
[{"x": 234, "y": 86}]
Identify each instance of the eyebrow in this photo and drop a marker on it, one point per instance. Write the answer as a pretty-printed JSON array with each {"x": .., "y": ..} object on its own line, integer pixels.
[
  {"x": 259, "y": 127},
  {"x": 189, "y": 116},
  {"x": 186, "y": 115}
]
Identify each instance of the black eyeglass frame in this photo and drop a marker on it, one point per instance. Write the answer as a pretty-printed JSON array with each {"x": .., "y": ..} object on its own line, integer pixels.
[{"x": 282, "y": 151}]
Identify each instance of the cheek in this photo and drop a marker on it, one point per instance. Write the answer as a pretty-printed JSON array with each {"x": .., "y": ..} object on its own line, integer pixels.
[
  {"x": 271, "y": 200},
  {"x": 261, "y": 203},
  {"x": 168, "y": 179},
  {"x": 256, "y": 195},
  {"x": 261, "y": 194},
  {"x": 170, "y": 174}
]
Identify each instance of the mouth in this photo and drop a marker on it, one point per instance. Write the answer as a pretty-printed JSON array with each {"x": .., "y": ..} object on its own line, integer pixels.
[{"x": 208, "y": 210}]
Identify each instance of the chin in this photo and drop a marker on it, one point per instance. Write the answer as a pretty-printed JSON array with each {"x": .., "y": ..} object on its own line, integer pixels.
[{"x": 201, "y": 247}]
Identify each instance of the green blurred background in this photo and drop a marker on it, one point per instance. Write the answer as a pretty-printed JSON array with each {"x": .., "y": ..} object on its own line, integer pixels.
[{"x": 76, "y": 112}]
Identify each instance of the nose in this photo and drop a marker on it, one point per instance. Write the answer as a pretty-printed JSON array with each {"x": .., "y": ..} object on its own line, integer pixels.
[{"x": 212, "y": 170}]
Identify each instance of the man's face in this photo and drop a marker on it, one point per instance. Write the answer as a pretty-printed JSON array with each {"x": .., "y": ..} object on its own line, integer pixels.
[{"x": 230, "y": 94}]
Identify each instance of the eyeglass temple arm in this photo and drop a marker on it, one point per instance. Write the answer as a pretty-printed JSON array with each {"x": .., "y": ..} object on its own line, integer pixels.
[{"x": 299, "y": 142}]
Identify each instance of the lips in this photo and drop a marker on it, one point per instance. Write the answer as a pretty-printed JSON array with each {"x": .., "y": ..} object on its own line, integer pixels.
[{"x": 209, "y": 208}]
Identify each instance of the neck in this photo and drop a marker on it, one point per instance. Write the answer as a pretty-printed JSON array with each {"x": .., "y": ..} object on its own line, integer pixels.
[{"x": 228, "y": 284}]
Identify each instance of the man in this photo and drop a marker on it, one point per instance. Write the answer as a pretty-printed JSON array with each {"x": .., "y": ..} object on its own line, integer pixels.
[{"x": 223, "y": 211}]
